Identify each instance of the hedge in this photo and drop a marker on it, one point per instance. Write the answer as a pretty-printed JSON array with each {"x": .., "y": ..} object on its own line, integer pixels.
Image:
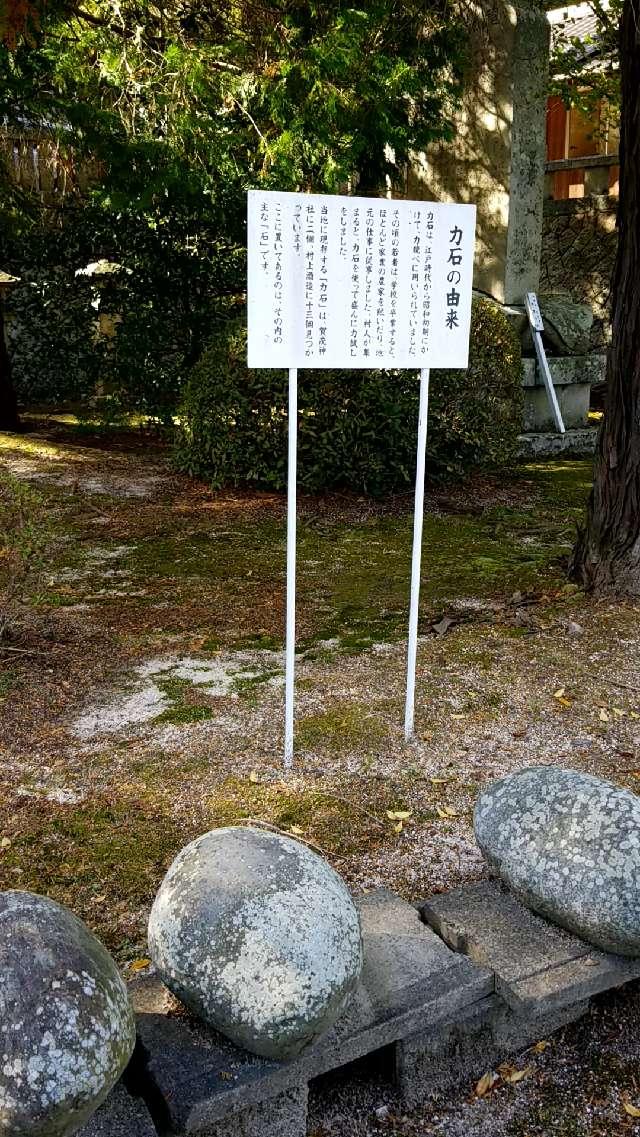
[{"x": 357, "y": 429}]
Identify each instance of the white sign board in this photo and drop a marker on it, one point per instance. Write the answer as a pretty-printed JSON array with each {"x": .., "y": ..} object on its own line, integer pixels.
[{"x": 358, "y": 282}]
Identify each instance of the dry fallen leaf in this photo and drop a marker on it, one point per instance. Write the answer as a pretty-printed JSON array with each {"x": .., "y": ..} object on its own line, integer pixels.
[
  {"x": 603, "y": 715},
  {"x": 541, "y": 1046},
  {"x": 517, "y": 1075},
  {"x": 296, "y": 830},
  {"x": 5, "y": 843},
  {"x": 253, "y": 776},
  {"x": 445, "y": 811},
  {"x": 630, "y": 1110},
  {"x": 486, "y": 1083},
  {"x": 139, "y": 964},
  {"x": 559, "y": 693},
  {"x": 398, "y": 814}
]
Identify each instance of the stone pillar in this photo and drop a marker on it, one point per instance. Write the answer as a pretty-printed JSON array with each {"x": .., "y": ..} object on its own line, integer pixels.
[
  {"x": 528, "y": 150},
  {"x": 496, "y": 159}
]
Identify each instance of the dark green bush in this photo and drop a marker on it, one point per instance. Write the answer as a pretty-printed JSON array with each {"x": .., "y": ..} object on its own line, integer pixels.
[{"x": 357, "y": 429}]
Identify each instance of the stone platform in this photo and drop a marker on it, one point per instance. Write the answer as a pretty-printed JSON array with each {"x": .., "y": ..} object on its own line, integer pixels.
[
  {"x": 549, "y": 444},
  {"x": 449, "y": 987},
  {"x": 573, "y": 377}
]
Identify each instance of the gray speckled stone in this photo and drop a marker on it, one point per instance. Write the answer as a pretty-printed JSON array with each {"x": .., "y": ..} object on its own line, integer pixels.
[
  {"x": 67, "y": 1028},
  {"x": 259, "y": 936},
  {"x": 568, "y": 845}
]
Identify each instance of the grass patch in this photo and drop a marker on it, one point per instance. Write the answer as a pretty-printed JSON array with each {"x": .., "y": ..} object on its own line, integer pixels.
[
  {"x": 102, "y": 858},
  {"x": 345, "y": 726},
  {"x": 350, "y": 820},
  {"x": 226, "y": 568},
  {"x": 188, "y": 702}
]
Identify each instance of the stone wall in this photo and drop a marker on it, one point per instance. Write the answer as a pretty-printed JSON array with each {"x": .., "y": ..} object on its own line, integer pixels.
[{"x": 578, "y": 252}]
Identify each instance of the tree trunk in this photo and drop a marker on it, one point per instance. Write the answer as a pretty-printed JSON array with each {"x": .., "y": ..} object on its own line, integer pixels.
[
  {"x": 8, "y": 402},
  {"x": 607, "y": 555}
]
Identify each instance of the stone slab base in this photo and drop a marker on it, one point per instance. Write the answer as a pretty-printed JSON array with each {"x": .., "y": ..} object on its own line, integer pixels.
[
  {"x": 539, "y": 969},
  {"x": 548, "y": 444},
  {"x": 449, "y": 988},
  {"x": 282, "y": 1116}
]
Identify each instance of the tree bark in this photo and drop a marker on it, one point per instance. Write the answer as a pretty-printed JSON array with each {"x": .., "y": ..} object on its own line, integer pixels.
[
  {"x": 9, "y": 419},
  {"x": 607, "y": 555}
]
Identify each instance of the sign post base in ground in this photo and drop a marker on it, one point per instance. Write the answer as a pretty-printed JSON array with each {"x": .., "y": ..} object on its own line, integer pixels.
[
  {"x": 290, "y": 637},
  {"x": 416, "y": 559}
]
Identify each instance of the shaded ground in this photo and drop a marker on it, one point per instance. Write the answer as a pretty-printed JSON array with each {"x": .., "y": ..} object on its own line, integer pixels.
[{"x": 142, "y": 704}]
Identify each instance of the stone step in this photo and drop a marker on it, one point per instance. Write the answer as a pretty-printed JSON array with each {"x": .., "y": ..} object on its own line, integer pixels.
[{"x": 536, "y": 965}]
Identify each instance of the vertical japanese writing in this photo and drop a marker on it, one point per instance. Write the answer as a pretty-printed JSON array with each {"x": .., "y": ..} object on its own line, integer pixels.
[
  {"x": 427, "y": 282},
  {"x": 416, "y": 245},
  {"x": 277, "y": 274},
  {"x": 381, "y": 282},
  {"x": 297, "y": 227},
  {"x": 324, "y": 279},
  {"x": 344, "y": 214},
  {"x": 454, "y": 277},
  {"x": 265, "y": 224},
  {"x": 393, "y": 293},
  {"x": 355, "y": 280},
  {"x": 309, "y": 278},
  {"x": 368, "y": 283}
]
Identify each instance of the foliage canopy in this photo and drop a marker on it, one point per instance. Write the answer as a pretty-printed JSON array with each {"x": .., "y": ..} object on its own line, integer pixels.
[
  {"x": 193, "y": 95},
  {"x": 584, "y": 69}
]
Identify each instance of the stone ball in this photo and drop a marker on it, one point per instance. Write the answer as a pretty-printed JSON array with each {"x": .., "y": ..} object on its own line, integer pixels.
[
  {"x": 258, "y": 936},
  {"x": 67, "y": 1028},
  {"x": 568, "y": 846}
]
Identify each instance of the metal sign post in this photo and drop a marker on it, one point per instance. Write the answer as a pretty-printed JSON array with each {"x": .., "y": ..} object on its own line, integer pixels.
[
  {"x": 537, "y": 327},
  {"x": 416, "y": 559},
  {"x": 290, "y": 643}
]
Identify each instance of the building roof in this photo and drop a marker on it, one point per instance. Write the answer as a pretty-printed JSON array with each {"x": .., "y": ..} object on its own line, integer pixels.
[{"x": 576, "y": 21}]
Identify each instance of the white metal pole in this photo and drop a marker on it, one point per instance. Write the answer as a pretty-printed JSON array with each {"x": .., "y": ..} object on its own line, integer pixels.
[
  {"x": 290, "y": 640},
  {"x": 423, "y": 415}
]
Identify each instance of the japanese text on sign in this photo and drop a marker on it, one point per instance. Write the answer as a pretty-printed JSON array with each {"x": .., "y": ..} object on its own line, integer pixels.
[{"x": 358, "y": 282}]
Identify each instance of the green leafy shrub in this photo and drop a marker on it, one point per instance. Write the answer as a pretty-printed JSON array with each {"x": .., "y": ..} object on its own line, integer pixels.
[
  {"x": 169, "y": 292},
  {"x": 357, "y": 429}
]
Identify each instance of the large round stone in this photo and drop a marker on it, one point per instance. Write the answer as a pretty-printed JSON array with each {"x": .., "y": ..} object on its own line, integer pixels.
[
  {"x": 259, "y": 937},
  {"x": 568, "y": 845},
  {"x": 67, "y": 1028}
]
